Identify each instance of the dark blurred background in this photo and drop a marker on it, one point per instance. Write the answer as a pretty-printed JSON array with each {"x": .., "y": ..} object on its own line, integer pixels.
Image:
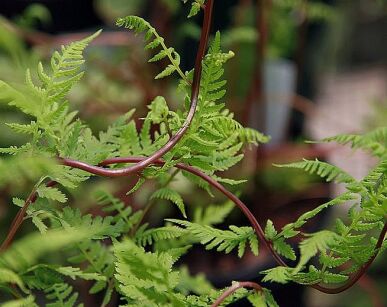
[{"x": 303, "y": 70}]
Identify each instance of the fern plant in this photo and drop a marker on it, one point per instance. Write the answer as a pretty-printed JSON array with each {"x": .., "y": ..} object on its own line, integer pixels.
[{"x": 118, "y": 253}]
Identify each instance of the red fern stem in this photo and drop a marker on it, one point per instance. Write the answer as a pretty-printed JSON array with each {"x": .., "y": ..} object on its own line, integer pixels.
[
  {"x": 19, "y": 218},
  {"x": 194, "y": 101},
  {"x": 101, "y": 171},
  {"x": 238, "y": 285}
]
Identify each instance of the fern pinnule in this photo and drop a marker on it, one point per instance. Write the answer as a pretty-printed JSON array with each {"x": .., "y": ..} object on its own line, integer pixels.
[
  {"x": 222, "y": 240},
  {"x": 213, "y": 214},
  {"x": 322, "y": 169},
  {"x": 62, "y": 294},
  {"x": 374, "y": 141},
  {"x": 26, "y": 301},
  {"x": 195, "y": 7},
  {"x": 171, "y": 195},
  {"x": 150, "y": 236}
]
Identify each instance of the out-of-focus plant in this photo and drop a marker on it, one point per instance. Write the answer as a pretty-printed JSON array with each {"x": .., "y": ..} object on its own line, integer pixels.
[
  {"x": 379, "y": 114},
  {"x": 121, "y": 254},
  {"x": 285, "y": 16}
]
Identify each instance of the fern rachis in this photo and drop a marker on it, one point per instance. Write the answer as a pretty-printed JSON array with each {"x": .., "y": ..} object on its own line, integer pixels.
[{"x": 121, "y": 254}]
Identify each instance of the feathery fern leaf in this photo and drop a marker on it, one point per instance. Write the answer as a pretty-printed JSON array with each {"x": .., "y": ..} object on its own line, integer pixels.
[
  {"x": 171, "y": 195},
  {"x": 222, "y": 240},
  {"x": 323, "y": 169},
  {"x": 62, "y": 294},
  {"x": 213, "y": 214},
  {"x": 29, "y": 301},
  {"x": 374, "y": 141},
  {"x": 139, "y": 25},
  {"x": 148, "y": 237},
  {"x": 145, "y": 277},
  {"x": 28, "y": 250},
  {"x": 318, "y": 241},
  {"x": 9, "y": 277}
]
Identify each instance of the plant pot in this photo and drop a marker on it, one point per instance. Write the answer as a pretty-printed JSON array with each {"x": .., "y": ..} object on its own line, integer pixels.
[{"x": 279, "y": 86}]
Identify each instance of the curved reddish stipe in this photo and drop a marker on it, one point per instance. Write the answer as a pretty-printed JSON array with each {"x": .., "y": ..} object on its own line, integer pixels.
[
  {"x": 208, "y": 9},
  {"x": 194, "y": 100},
  {"x": 18, "y": 220},
  {"x": 155, "y": 159},
  {"x": 238, "y": 285},
  {"x": 99, "y": 170}
]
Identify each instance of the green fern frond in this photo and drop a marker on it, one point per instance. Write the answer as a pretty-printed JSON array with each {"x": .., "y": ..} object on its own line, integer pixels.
[
  {"x": 139, "y": 25},
  {"x": 195, "y": 7},
  {"x": 279, "y": 274},
  {"x": 23, "y": 129},
  {"x": 20, "y": 98},
  {"x": 62, "y": 294},
  {"x": 102, "y": 227},
  {"x": 222, "y": 240},
  {"x": 374, "y": 141},
  {"x": 319, "y": 241},
  {"x": 213, "y": 214},
  {"x": 98, "y": 259},
  {"x": 322, "y": 169},
  {"x": 291, "y": 230},
  {"x": 43, "y": 101},
  {"x": 22, "y": 169},
  {"x": 284, "y": 249},
  {"x": 29, "y": 301},
  {"x": 145, "y": 277},
  {"x": 333, "y": 278},
  {"x": 212, "y": 88},
  {"x": 331, "y": 261},
  {"x": 65, "y": 70},
  {"x": 121, "y": 213},
  {"x": 252, "y": 136},
  {"x": 193, "y": 284},
  {"x": 265, "y": 299},
  {"x": 209, "y": 299},
  {"x": 27, "y": 251},
  {"x": 51, "y": 193},
  {"x": 309, "y": 277},
  {"x": 9, "y": 277},
  {"x": 278, "y": 240},
  {"x": 71, "y": 272},
  {"x": 150, "y": 236},
  {"x": 171, "y": 195}
]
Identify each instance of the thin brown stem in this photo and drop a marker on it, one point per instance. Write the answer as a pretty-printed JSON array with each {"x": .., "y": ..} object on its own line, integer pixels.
[
  {"x": 355, "y": 277},
  {"x": 370, "y": 287},
  {"x": 143, "y": 163},
  {"x": 235, "y": 287},
  {"x": 194, "y": 101},
  {"x": 18, "y": 220},
  {"x": 155, "y": 159},
  {"x": 99, "y": 170}
]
